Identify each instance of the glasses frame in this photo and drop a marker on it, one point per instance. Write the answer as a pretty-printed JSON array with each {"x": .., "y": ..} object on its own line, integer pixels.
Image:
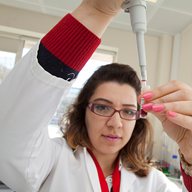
[{"x": 91, "y": 107}]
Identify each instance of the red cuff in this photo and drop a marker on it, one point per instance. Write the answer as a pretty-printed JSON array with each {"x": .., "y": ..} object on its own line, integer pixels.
[
  {"x": 71, "y": 42},
  {"x": 187, "y": 180}
]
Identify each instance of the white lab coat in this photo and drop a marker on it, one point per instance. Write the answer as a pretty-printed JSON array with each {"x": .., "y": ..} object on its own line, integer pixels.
[{"x": 29, "y": 160}]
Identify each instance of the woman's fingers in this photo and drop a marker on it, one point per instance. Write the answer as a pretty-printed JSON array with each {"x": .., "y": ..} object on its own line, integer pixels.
[
  {"x": 182, "y": 107},
  {"x": 173, "y": 91},
  {"x": 179, "y": 112},
  {"x": 182, "y": 120}
]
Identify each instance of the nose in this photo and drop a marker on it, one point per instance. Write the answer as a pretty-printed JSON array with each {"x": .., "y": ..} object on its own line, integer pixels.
[{"x": 115, "y": 121}]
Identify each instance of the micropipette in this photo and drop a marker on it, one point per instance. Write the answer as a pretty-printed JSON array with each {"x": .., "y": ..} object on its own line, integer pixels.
[{"x": 137, "y": 10}]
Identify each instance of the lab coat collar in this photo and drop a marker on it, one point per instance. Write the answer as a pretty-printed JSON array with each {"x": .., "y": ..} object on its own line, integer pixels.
[
  {"x": 92, "y": 171},
  {"x": 127, "y": 177}
]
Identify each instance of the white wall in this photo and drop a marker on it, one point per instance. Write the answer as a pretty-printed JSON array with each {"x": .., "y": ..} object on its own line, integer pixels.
[
  {"x": 185, "y": 61},
  {"x": 26, "y": 20}
]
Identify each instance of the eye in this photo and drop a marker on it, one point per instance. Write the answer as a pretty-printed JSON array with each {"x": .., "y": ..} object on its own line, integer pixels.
[{"x": 101, "y": 108}]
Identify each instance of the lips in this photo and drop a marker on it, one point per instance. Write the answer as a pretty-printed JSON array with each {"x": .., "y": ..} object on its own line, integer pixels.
[{"x": 112, "y": 137}]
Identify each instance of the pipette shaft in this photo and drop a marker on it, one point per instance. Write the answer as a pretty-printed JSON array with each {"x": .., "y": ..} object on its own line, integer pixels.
[
  {"x": 137, "y": 10},
  {"x": 141, "y": 55}
]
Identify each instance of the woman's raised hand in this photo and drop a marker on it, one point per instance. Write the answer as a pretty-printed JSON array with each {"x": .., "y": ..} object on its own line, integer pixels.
[
  {"x": 172, "y": 105},
  {"x": 96, "y": 15}
]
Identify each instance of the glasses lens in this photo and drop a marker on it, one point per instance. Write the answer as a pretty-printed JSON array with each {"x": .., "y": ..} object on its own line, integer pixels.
[
  {"x": 128, "y": 114},
  {"x": 101, "y": 109}
]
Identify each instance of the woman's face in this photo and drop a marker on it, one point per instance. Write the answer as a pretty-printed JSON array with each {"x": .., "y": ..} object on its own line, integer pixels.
[{"x": 108, "y": 135}]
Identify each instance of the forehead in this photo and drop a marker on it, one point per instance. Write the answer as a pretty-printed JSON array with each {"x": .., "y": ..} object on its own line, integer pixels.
[{"x": 116, "y": 93}]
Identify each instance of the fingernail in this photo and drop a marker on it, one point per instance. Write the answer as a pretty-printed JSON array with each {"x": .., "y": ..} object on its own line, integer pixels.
[
  {"x": 171, "y": 114},
  {"x": 147, "y": 95},
  {"x": 147, "y": 107},
  {"x": 157, "y": 107}
]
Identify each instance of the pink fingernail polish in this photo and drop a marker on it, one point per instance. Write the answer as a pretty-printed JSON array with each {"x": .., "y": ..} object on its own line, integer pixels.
[
  {"x": 171, "y": 114},
  {"x": 147, "y": 95},
  {"x": 147, "y": 107},
  {"x": 157, "y": 107}
]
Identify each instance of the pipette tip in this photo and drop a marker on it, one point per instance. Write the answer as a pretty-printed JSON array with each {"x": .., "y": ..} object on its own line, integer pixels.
[{"x": 144, "y": 86}]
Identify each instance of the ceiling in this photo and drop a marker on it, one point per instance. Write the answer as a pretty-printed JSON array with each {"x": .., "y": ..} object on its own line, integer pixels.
[{"x": 163, "y": 17}]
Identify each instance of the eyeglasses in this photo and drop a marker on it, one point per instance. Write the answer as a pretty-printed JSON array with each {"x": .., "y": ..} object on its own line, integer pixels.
[{"x": 108, "y": 111}]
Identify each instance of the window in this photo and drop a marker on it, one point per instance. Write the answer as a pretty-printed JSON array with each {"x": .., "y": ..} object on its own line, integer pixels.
[
  {"x": 12, "y": 48},
  {"x": 98, "y": 59},
  {"x": 27, "y": 46},
  {"x": 7, "y": 62}
]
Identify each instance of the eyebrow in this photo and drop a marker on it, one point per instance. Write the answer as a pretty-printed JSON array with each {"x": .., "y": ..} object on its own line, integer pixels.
[{"x": 110, "y": 102}]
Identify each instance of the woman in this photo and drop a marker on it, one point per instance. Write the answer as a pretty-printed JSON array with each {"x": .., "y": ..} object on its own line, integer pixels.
[{"x": 30, "y": 160}]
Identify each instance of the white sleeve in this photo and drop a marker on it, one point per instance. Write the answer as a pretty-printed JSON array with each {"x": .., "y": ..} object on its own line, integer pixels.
[
  {"x": 164, "y": 184},
  {"x": 29, "y": 97}
]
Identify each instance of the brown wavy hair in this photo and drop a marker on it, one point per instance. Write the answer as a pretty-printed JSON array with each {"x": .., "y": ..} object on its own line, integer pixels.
[{"x": 136, "y": 154}]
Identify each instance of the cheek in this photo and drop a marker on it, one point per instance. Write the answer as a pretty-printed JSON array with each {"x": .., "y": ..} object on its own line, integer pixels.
[
  {"x": 92, "y": 127},
  {"x": 95, "y": 125},
  {"x": 91, "y": 123},
  {"x": 89, "y": 120},
  {"x": 128, "y": 130}
]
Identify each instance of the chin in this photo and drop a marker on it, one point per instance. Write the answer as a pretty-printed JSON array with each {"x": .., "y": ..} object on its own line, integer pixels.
[{"x": 110, "y": 150}]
